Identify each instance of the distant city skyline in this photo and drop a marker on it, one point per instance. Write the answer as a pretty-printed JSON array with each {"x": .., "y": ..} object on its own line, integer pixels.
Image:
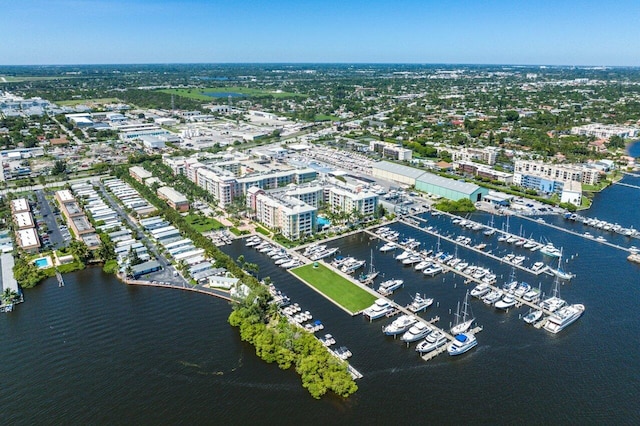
[{"x": 582, "y": 33}]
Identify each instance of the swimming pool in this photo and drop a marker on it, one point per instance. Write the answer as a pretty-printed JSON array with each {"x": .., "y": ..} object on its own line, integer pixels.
[
  {"x": 43, "y": 262},
  {"x": 323, "y": 221}
]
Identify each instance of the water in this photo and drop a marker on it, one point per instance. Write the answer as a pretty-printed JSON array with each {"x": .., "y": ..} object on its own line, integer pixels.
[
  {"x": 101, "y": 352},
  {"x": 634, "y": 149}
]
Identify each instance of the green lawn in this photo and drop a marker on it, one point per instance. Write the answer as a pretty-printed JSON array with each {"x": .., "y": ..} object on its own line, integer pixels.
[
  {"x": 202, "y": 224},
  {"x": 199, "y": 94},
  {"x": 335, "y": 287}
]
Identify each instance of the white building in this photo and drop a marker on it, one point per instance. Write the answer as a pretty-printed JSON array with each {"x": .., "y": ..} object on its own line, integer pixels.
[
  {"x": 572, "y": 193},
  {"x": 390, "y": 150},
  {"x": 485, "y": 155},
  {"x": 604, "y": 131},
  {"x": 342, "y": 199},
  {"x": 292, "y": 217}
]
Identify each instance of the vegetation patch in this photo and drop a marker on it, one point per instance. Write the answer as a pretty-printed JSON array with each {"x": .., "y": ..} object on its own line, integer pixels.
[
  {"x": 262, "y": 230},
  {"x": 335, "y": 287},
  {"x": 201, "y": 94},
  {"x": 202, "y": 223},
  {"x": 98, "y": 101},
  {"x": 463, "y": 205}
]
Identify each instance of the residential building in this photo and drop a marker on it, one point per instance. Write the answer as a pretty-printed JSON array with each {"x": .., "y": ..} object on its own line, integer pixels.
[
  {"x": 139, "y": 173},
  {"x": 486, "y": 155},
  {"x": 292, "y": 217},
  {"x": 174, "y": 199},
  {"x": 390, "y": 150},
  {"x": 549, "y": 178},
  {"x": 605, "y": 131}
]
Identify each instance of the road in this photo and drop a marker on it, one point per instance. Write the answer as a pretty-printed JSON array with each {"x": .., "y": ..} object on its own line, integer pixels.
[
  {"x": 93, "y": 179},
  {"x": 166, "y": 275},
  {"x": 55, "y": 236}
]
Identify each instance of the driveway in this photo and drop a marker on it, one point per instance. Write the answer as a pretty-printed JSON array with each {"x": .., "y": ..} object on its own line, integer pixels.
[{"x": 55, "y": 236}]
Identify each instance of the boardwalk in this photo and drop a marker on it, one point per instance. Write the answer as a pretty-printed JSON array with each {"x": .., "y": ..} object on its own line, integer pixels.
[{"x": 198, "y": 288}]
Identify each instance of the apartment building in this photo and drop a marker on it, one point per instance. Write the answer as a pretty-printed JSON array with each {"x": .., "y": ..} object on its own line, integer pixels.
[{"x": 391, "y": 150}]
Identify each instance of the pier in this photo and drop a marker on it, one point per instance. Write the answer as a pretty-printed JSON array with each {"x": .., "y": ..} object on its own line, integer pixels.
[
  {"x": 628, "y": 185},
  {"x": 59, "y": 278},
  {"x": 198, "y": 288}
]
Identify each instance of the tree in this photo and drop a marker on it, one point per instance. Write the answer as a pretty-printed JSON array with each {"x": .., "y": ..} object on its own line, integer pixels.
[
  {"x": 9, "y": 296},
  {"x": 616, "y": 141},
  {"x": 512, "y": 115},
  {"x": 59, "y": 167},
  {"x": 80, "y": 250}
]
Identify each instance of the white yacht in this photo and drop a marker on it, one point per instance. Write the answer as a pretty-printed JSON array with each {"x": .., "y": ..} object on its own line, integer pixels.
[
  {"x": 550, "y": 250},
  {"x": 532, "y": 295},
  {"x": 563, "y": 317},
  {"x": 412, "y": 259},
  {"x": 432, "y": 270},
  {"x": 492, "y": 297},
  {"x": 537, "y": 266},
  {"x": 420, "y": 266},
  {"x": 379, "y": 309},
  {"x": 462, "y": 343},
  {"x": 389, "y": 286},
  {"x": 418, "y": 331},
  {"x": 402, "y": 256},
  {"x": 399, "y": 325},
  {"x": 480, "y": 290},
  {"x": 552, "y": 304},
  {"x": 432, "y": 342},
  {"x": 388, "y": 247},
  {"x": 507, "y": 301},
  {"x": 419, "y": 303}
]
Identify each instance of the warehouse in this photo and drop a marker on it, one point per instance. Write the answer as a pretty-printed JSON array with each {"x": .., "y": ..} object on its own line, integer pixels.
[
  {"x": 450, "y": 188},
  {"x": 396, "y": 172}
]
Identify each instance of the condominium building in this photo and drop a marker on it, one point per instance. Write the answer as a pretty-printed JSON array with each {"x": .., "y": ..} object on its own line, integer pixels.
[
  {"x": 604, "y": 131},
  {"x": 345, "y": 200},
  {"x": 552, "y": 177},
  {"x": 485, "y": 155},
  {"x": 390, "y": 150},
  {"x": 174, "y": 199},
  {"x": 292, "y": 217}
]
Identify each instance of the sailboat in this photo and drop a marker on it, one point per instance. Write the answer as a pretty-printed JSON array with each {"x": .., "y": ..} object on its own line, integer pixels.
[
  {"x": 560, "y": 273},
  {"x": 371, "y": 275},
  {"x": 463, "y": 318},
  {"x": 490, "y": 229},
  {"x": 554, "y": 302}
]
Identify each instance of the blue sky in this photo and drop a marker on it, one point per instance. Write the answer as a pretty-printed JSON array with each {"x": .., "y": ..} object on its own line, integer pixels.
[{"x": 563, "y": 32}]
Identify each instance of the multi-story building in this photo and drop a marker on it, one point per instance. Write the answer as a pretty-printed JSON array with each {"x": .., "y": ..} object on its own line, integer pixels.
[
  {"x": 139, "y": 173},
  {"x": 552, "y": 177},
  {"x": 605, "y": 131},
  {"x": 174, "y": 199},
  {"x": 390, "y": 150},
  {"x": 486, "y": 155},
  {"x": 292, "y": 217},
  {"x": 475, "y": 169},
  {"x": 345, "y": 200}
]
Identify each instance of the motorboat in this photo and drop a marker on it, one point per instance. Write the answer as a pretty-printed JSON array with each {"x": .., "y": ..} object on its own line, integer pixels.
[
  {"x": 419, "y": 303},
  {"x": 404, "y": 255},
  {"x": 564, "y": 317},
  {"x": 432, "y": 342},
  {"x": 379, "y": 309},
  {"x": 418, "y": 331},
  {"x": 508, "y": 257},
  {"x": 412, "y": 260},
  {"x": 506, "y": 302},
  {"x": 420, "y": 266},
  {"x": 489, "y": 278},
  {"x": 462, "y": 343},
  {"x": 518, "y": 260},
  {"x": 388, "y": 247},
  {"x": 492, "y": 297},
  {"x": 552, "y": 304},
  {"x": 432, "y": 270},
  {"x": 503, "y": 238},
  {"x": 480, "y": 290},
  {"x": 327, "y": 340},
  {"x": 550, "y": 250},
  {"x": 532, "y": 295},
  {"x": 389, "y": 286},
  {"x": 532, "y": 317},
  {"x": 537, "y": 266},
  {"x": 522, "y": 289},
  {"x": 399, "y": 325},
  {"x": 464, "y": 318}
]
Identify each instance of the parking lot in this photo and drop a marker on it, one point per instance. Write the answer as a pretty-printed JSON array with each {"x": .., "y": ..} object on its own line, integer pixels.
[{"x": 56, "y": 236}]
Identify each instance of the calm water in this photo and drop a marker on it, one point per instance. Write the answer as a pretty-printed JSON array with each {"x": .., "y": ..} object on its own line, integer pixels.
[
  {"x": 98, "y": 351},
  {"x": 634, "y": 149}
]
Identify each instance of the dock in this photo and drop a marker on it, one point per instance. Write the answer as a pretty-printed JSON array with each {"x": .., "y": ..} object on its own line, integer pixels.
[{"x": 59, "y": 278}]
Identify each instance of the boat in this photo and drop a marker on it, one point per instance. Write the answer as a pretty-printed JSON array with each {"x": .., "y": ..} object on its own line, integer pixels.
[
  {"x": 420, "y": 266},
  {"x": 560, "y": 273},
  {"x": 492, "y": 297},
  {"x": 518, "y": 260},
  {"x": 564, "y": 317},
  {"x": 389, "y": 286},
  {"x": 399, "y": 325},
  {"x": 432, "y": 270},
  {"x": 508, "y": 257},
  {"x": 533, "y": 316},
  {"x": 522, "y": 289},
  {"x": 418, "y": 331},
  {"x": 371, "y": 275},
  {"x": 532, "y": 295},
  {"x": 503, "y": 238},
  {"x": 432, "y": 342},
  {"x": 404, "y": 255},
  {"x": 507, "y": 301},
  {"x": 379, "y": 309},
  {"x": 352, "y": 266},
  {"x": 323, "y": 253},
  {"x": 537, "y": 266},
  {"x": 550, "y": 250},
  {"x": 554, "y": 302},
  {"x": 413, "y": 259},
  {"x": 464, "y": 319},
  {"x": 462, "y": 343},
  {"x": 419, "y": 303},
  {"x": 480, "y": 290},
  {"x": 480, "y": 246},
  {"x": 388, "y": 247},
  {"x": 327, "y": 340}
]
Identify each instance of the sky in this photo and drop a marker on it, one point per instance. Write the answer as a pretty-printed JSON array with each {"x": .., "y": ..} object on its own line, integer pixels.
[{"x": 537, "y": 32}]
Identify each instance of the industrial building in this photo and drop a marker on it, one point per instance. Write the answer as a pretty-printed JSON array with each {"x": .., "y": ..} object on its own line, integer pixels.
[{"x": 450, "y": 188}]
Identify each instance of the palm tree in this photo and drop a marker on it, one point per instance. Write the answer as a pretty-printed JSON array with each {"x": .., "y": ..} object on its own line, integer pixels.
[{"x": 9, "y": 296}]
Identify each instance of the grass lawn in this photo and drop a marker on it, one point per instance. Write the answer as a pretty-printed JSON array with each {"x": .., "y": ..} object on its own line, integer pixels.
[
  {"x": 325, "y": 117},
  {"x": 74, "y": 102},
  {"x": 335, "y": 287},
  {"x": 199, "y": 94},
  {"x": 203, "y": 224}
]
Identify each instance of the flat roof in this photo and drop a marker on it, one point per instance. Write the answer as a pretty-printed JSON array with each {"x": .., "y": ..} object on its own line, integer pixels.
[
  {"x": 172, "y": 195},
  {"x": 146, "y": 266},
  {"x": 141, "y": 172},
  {"x": 451, "y": 184},
  {"x": 8, "y": 280},
  {"x": 23, "y": 219},
  {"x": 20, "y": 205},
  {"x": 410, "y": 172},
  {"x": 65, "y": 195},
  {"x": 28, "y": 238}
]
